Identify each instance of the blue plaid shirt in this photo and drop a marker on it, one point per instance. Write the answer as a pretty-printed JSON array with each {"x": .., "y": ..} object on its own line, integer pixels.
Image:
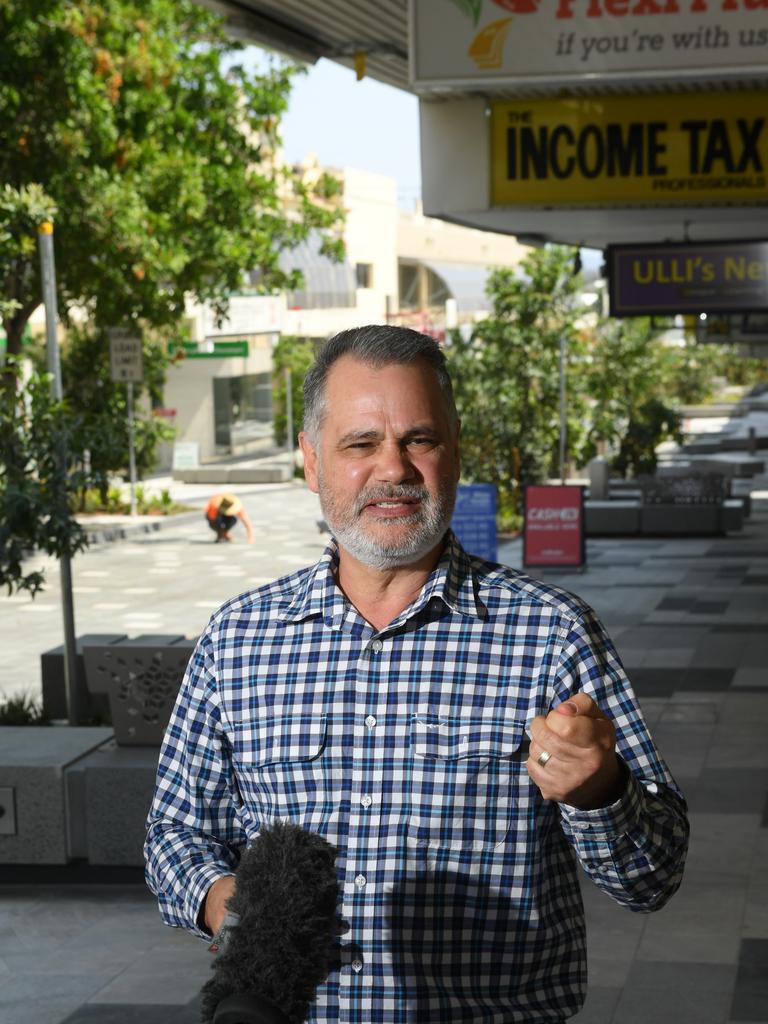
[{"x": 406, "y": 748}]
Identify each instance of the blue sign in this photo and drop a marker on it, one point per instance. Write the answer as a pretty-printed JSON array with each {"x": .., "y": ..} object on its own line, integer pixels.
[{"x": 474, "y": 519}]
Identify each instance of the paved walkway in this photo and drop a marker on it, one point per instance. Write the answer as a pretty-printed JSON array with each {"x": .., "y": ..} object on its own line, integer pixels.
[{"x": 690, "y": 619}]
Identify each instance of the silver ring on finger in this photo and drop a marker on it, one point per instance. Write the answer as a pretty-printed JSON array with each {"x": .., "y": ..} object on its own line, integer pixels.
[{"x": 543, "y": 758}]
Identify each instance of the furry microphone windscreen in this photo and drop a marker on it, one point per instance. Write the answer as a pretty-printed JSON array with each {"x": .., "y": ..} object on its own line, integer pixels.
[{"x": 281, "y": 949}]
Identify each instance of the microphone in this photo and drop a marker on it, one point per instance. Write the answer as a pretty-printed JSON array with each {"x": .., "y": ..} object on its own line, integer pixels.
[{"x": 283, "y": 945}]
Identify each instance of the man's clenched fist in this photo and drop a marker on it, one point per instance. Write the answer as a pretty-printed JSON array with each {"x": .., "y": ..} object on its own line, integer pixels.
[{"x": 583, "y": 770}]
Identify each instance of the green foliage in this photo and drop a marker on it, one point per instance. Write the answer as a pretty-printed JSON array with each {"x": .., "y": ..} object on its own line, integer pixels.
[
  {"x": 22, "y": 210},
  {"x": 736, "y": 369},
  {"x": 506, "y": 377},
  {"x": 99, "y": 406},
  {"x": 690, "y": 372},
  {"x": 155, "y": 149},
  {"x": 297, "y": 355},
  {"x": 22, "y": 709},
  {"x": 634, "y": 381},
  {"x": 36, "y": 485},
  {"x": 92, "y": 500},
  {"x": 132, "y": 126},
  {"x": 649, "y": 425},
  {"x": 118, "y": 502}
]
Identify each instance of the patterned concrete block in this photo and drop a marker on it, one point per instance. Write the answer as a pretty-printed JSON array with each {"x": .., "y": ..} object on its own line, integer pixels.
[
  {"x": 33, "y": 763},
  {"x": 118, "y": 786}
]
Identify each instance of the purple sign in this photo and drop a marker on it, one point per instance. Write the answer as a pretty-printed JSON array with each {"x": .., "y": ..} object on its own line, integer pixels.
[{"x": 701, "y": 277}]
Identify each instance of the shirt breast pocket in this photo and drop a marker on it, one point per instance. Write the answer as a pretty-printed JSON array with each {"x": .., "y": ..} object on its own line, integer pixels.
[
  {"x": 467, "y": 780},
  {"x": 280, "y": 768}
]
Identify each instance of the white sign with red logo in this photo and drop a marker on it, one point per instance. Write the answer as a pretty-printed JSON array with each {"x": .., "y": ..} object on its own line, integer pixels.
[
  {"x": 247, "y": 315},
  {"x": 553, "y": 531},
  {"x": 458, "y": 43}
]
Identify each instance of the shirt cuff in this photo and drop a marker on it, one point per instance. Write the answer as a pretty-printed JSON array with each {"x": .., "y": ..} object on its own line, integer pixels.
[
  {"x": 609, "y": 822},
  {"x": 197, "y": 888}
]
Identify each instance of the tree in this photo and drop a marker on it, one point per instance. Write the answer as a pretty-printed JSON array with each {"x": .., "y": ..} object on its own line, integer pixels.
[
  {"x": 690, "y": 371},
  {"x": 631, "y": 378},
  {"x": 131, "y": 126},
  {"x": 99, "y": 411},
  {"x": 36, "y": 486},
  {"x": 649, "y": 424},
  {"x": 296, "y": 355},
  {"x": 158, "y": 161},
  {"x": 21, "y": 211},
  {"x": 506, "y": 376}
]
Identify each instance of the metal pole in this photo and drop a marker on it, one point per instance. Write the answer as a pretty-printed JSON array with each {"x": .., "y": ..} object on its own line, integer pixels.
[
  {"x": 563, "y": 424},
  {"x": 131, "y": 448},
  {"x": 48, "y": 277},
  {"x": 289, "y": 414}
]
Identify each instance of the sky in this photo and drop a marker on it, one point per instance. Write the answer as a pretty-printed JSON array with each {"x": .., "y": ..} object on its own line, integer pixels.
[{"x": 347, "y": 123}]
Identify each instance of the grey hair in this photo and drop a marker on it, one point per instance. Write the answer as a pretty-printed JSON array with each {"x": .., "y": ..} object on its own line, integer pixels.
[{"x": 376, "y": 345}]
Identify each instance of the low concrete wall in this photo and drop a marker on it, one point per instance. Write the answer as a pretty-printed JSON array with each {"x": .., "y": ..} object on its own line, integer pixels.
[
  {"x": 271, "y": 473},
  {"x": 37, "y": 826},
  {"x": 622, "y": 517}
]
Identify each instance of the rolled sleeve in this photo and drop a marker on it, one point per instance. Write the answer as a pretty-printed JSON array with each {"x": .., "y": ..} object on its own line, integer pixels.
[{"x": 635, "y": 848}]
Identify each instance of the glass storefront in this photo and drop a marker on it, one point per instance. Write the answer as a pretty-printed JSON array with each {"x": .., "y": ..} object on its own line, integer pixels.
[{"x": 242, "y": 409}]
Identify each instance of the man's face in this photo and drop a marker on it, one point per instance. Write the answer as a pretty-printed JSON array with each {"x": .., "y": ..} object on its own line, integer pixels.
[{"x": 386, "y": 464}]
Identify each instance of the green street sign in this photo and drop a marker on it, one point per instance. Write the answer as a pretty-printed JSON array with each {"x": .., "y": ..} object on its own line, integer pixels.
[{"x": 220, "y": 350}]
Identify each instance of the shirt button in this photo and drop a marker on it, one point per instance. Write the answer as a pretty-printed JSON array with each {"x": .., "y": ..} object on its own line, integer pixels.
[
  {"x": 360, "y": 881},
  {"x": 366, "y": 801},
  {"x": 370, "y": 721},
  {"x": 357, "y": 966},
  {"x": 376, "y": 646}
]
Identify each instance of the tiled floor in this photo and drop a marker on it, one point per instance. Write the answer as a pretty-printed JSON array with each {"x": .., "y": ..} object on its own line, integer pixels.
[{"x": 690, "y": 619}]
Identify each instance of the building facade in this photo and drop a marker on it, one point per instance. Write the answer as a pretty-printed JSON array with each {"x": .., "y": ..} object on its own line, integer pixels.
[{"x": 400, "y": 267}]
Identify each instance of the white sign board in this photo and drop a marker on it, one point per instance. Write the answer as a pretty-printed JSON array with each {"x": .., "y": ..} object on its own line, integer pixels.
[
  {"x": 475, "y": 43},
  {"x": 125, "y": 356},
  {"x": 186, "y": 455},
  {"x": 248, "y": 314}
]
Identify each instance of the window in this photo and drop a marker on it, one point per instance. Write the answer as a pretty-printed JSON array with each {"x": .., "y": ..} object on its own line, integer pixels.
[
  {"x": 364, "y": 275},
  {"x": 242, "y": 410}
]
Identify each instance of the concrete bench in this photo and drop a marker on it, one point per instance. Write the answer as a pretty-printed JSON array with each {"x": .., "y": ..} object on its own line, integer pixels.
[
  {"x": 732, "y": 513},
  {"x": 71, "y": 793},
  {"x": 38, "y": 825},
  {"x": 681, "y": 520},
  {"x": 103, "y": 830},
  {"x": 611, "y": 517},
  {"x": 269, "y": 473},
  {"x": 622, "y": 518}
]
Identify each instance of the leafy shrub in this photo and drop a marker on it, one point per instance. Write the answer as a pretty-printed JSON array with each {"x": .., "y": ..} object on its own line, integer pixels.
[{"x": 22, "y": 709}]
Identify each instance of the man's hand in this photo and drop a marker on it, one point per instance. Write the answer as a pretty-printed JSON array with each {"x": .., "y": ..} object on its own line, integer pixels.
[
  {"x": 216, "y": 902},
  {"x": 583, "y": 770}
]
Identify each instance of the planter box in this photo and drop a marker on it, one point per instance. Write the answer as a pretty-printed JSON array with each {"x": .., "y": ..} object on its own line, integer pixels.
[
  {"x": 37, "y": 826},
  {"x": 141, "y": 678},
  {"x": 93, "y": 706}
]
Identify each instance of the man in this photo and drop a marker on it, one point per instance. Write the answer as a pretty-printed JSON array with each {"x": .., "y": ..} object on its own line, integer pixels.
[
  {"x": 461, "y": 732},
  {"x": 222, "y": 513}
]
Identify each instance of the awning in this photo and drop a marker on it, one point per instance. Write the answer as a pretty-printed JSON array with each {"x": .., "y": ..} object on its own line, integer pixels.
[
  {"x": 466, "y": 284},
  {"x": 327, "y": 285}
]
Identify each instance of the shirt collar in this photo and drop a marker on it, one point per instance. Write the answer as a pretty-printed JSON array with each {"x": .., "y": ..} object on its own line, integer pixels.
[
  {"x": 318, "y": 594},
  {"x": 452, "y": 581}
]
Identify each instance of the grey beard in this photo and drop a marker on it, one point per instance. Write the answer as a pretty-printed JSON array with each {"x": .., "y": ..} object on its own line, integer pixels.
[{"x": 430, "y": 524}]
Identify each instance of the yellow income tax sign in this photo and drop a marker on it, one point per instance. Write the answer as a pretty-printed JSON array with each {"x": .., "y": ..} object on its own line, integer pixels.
[{"x": 656, "y": 150}]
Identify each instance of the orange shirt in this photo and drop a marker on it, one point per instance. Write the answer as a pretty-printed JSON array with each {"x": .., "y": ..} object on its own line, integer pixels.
[{"x": 232, "y": 506}]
